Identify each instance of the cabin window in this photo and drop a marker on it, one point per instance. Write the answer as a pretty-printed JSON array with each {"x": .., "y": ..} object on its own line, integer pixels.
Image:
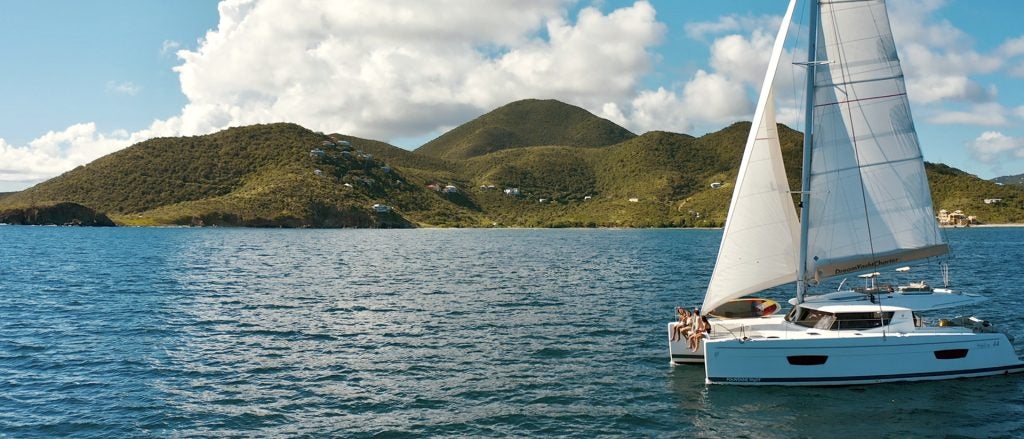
[
  {"x": 812, "y": 318},
  {"x": 862, "y": 320},
  {"x": 950, "y": 354}
]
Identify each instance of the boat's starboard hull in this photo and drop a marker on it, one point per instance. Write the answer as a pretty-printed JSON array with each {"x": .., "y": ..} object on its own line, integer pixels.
[{"x": 851, "y": 360}]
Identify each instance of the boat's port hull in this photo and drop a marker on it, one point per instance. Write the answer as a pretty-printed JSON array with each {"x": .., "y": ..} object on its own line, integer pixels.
[
  {"x": 865, "y": 359},
  {"x": 679, "y": 349},
  {"x": 680, "y": 352}
]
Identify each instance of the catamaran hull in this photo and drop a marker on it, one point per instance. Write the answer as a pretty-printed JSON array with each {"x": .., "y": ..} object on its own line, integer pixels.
[
  {"x": 858, "y": 359},
  {"x": 680, "y": 352}
]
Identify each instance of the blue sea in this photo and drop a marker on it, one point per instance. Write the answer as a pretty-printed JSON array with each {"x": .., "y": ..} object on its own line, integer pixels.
[{"x": 127, "y": 332}]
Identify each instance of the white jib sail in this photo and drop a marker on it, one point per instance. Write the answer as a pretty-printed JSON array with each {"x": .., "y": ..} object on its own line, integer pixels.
[
  {"x": 870, "y": 203},
  {"x": 761, "y": 234}
]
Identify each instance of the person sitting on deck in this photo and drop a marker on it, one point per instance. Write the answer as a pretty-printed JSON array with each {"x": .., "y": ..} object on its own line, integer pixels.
[
  {"x": 682, "y": 328},
  {"x": 700, "y": 326}
]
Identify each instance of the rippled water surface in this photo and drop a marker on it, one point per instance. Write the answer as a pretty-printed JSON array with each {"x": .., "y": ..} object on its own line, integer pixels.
[{"x": 243, "y": 332}]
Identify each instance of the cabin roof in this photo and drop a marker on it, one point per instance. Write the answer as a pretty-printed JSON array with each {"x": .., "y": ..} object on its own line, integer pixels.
[{"x": 851, "y": 307}]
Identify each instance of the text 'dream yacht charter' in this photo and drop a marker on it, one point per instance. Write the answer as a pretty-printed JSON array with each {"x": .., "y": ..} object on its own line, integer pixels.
[{"x": 864, "y": 204}]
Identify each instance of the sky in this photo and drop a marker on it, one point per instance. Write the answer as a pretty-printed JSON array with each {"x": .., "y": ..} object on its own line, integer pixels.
[{"x": 83, "y": 79}]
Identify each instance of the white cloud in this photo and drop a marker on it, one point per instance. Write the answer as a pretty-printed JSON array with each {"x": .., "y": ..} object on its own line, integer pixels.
[
  {"x": 1012, "y": 47},
  {"x": 743, "y": 58},
  {"x": 125, "y": 88},
  {"x": 387, "y": 69},
  {"x": 988, "y": 114},
  {"x": 938, "y": 59},
  {"x": 56, "y": 152},
  {"x": 400, "y": 69},
  {"x": 731, "y": 24},
  {"x": 993, "y": 146}
]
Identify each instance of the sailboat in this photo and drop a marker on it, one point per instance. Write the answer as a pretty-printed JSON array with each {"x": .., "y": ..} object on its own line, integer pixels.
[{"x": 864, "y": 205}]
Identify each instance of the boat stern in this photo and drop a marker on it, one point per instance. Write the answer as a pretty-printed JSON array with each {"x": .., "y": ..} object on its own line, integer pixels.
[{"x": 679, "y": 348}]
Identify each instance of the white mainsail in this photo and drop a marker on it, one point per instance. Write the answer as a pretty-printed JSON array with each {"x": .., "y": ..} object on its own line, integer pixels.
[
  {"x": 760, "y": 237},
  {"x": 869, "y": 199}
]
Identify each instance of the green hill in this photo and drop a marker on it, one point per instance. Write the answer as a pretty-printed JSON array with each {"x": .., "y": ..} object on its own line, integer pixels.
[
  {"x": 524, "y": 123},
  {"x": 262, "y": 175},
  {"x": 953, "y": 189},
  {"x": 283, "y": 175}
]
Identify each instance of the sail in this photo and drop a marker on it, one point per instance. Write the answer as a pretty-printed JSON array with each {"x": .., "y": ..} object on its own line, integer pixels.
[
  {"x": 869, "y": 200},
  {"x": 760, "y": 238}
]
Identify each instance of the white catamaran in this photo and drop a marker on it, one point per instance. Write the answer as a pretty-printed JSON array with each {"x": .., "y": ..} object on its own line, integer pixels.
[{"x": 865, "y": 204}]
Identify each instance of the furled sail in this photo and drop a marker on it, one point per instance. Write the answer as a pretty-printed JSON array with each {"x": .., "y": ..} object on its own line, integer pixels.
[
  {"x": 869, "y": 200},
  {"x": 761, "y": 234}
]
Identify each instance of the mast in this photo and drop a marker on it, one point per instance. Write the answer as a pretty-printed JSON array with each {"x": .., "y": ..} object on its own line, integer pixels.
[{"x": 805, "y": 177}]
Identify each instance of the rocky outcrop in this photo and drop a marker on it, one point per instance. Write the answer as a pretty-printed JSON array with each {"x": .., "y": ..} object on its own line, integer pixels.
[{"x": 61, "y": 214}]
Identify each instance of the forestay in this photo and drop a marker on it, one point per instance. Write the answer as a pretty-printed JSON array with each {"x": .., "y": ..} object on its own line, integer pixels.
[{"x": 869, "y": 200}]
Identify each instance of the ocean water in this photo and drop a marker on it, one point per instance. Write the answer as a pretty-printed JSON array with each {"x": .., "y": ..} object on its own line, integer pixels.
[{"x": 212, "y": 332}]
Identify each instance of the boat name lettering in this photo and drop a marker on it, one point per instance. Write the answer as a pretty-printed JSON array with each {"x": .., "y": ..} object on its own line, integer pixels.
[{"x": 867, "y": 265}]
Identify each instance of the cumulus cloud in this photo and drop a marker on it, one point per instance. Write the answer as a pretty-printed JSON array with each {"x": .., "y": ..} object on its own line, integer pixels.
[
  {"x": 988, "y": 114},
  {"x": 389, "y": 69},
  {"x": 731, "y": 24},
  {"x": 392, "y": 69},
  {"x": 938, "y": 58},
  {"x": 56, "y": 152},
  {"x": 396, "y": 69},
  {"x": 993, "y": 146}
]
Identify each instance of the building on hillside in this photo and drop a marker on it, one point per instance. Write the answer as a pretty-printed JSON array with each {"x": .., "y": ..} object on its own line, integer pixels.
[
  {"x": 993, "y": 200},
  {"x": 587, "y": 198},
  {"x": 956, "y": 218},
  {"x": 450, "y": 189},
  {"x": 318, "y": 173},
  {"x": 317, "y": 153},
  {"x": 512, "y": 191},
  {"x": 381, "y": 208},
  {"x": 716, "y": 185},
  {"x": 634, "y": 200}
]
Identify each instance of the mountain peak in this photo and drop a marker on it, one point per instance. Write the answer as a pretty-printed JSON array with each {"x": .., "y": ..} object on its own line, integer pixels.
[{"x": 524, "y": 123}]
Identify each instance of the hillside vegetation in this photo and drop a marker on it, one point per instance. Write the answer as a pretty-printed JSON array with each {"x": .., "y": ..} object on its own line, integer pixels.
[
  {"x": 523, "y": 123},
  {"x": 568, "y": 167}
]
